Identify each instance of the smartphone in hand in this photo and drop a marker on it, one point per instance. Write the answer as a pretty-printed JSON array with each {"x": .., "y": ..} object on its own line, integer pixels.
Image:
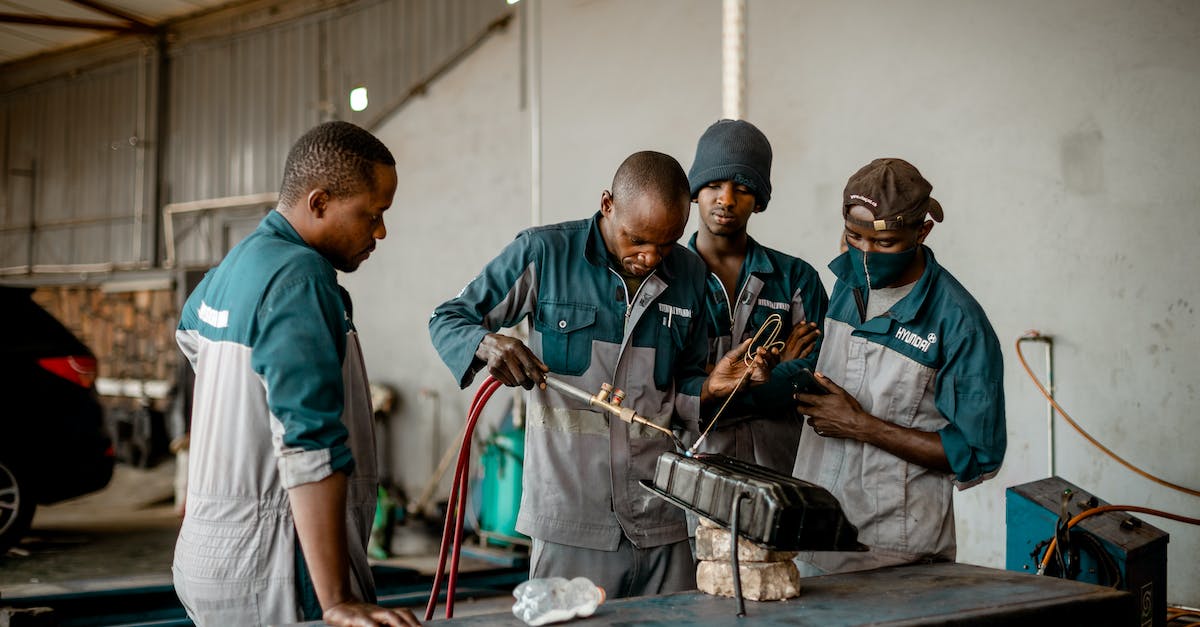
[{"x": 805, "y": 383}]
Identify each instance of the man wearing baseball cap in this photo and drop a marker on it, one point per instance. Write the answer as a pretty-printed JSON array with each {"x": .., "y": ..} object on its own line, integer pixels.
[
  {"x": 915, "y": 380},
  {"x": 730, "y": 181}
]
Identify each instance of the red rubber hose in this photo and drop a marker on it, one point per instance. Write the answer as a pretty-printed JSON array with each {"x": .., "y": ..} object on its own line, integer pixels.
[
  {"x": 465, "y": 462},
  {"x": 455, "y": 511},
  {"x": 452, "y": 583},
  {"x": 451, "y": 510}
]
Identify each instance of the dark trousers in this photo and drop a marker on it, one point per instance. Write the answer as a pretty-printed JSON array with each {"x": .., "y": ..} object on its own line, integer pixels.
[{"x": 625, "y": 572}]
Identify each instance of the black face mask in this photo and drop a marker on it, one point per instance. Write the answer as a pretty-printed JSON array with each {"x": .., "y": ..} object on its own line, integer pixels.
[{"x": 881, "y": 269}]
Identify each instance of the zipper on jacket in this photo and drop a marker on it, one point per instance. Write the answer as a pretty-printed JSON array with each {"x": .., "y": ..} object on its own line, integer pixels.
[
  {"x": 628, "y": 312},
  {"x": 729, "y": 303},
  {"x": 629, "y": 301},
  {"x": 861, "y": 304}
]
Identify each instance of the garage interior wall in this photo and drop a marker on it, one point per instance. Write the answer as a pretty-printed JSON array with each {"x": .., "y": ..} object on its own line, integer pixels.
[
  {"x": 241, "y": 86},
  {"x": 75, "y": 155},
  {"x": 1060, "y": 137}
]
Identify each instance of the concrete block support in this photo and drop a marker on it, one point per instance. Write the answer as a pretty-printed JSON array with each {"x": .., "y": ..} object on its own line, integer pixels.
[
  {"x": 761, "y": 581},
  {"x": 712, "y": 543},
  {"x": 766, "y": 575}
]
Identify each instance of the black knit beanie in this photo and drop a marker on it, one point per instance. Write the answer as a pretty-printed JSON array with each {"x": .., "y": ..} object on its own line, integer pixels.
[{"x": 733, "y": 150}]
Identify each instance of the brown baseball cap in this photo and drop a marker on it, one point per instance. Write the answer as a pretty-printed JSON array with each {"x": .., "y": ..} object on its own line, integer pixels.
[{"x": 894, "y": 191}]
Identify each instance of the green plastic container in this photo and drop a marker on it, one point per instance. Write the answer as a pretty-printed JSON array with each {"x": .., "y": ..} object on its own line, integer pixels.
[{"x": 500, "y": 499}]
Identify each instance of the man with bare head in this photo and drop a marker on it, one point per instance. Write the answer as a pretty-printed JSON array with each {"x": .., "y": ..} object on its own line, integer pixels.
[
  {"x": 612, "y": 299},
  {"x": 281, "y": 488}
]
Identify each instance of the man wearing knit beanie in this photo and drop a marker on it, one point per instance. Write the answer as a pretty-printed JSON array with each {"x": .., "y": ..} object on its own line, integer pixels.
[{"x": 730, "y": 180}]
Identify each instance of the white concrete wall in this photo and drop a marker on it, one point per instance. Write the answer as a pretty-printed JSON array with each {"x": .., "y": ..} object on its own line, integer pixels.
[
  {"x": 1060, "y": 137},
  {"x": 619, "y": 77},
  {"x": 462, "y": 159}
]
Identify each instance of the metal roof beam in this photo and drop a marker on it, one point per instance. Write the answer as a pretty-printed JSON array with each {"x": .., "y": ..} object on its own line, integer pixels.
[
  {"x": 114, "y": 12},
  {"x": 57, "y": 22}
]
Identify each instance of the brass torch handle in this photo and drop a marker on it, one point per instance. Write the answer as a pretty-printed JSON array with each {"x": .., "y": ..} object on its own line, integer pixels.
[{"x": 624, "y": 413}]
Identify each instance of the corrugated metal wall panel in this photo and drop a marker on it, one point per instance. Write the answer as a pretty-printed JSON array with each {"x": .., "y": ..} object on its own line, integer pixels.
[
  {"x": 390, "y": 47},
  {"x": 197, "y": 104},
  {"x": 53, "y": 245},
  {"x": 14, "y": 249},
  {"x": 72, "y": 162},
  {"x": 24, "y": 112},
  {"x": 235, "y": 105},
  {"x": 94, "y": 162},
  {"x": 3, "y": 165}
]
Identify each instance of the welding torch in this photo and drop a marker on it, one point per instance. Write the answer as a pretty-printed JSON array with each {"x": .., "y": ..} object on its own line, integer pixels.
[{"x": 609, "y": 400}]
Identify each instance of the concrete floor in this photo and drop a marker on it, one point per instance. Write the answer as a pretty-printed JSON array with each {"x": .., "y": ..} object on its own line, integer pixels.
[
  {"x": 124, "y": 537},
  {"x": 126, "y": 530}
]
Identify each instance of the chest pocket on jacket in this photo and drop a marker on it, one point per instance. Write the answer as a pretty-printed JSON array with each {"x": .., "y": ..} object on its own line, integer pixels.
[
  {"x": 672, "y": 333},
  {"x": 567, "y": 330},
  {"x": 759, "y": 316}
]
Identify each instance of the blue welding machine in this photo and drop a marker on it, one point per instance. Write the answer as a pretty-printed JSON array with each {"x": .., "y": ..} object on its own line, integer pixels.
[{"x": 1111, "y": 548}]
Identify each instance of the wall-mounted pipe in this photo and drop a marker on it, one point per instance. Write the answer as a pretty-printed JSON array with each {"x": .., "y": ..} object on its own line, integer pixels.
[
  {"x": 1048, "y": 341},
  {"x": 234, "y": 202},
  {"x": 137, "y": 142},
  {"x": 531, "y": 26},
  {"x": 733, "y": 59},
  {"x": 33, "y": 207},
  {"x": 162, "y": 135}
]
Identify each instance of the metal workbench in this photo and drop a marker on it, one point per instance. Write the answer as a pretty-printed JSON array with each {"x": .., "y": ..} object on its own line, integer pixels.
[{"x": 930, "y": 594}]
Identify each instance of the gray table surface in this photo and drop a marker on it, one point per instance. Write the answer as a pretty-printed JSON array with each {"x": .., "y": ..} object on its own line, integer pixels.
[{"x": 930, "y": 594}]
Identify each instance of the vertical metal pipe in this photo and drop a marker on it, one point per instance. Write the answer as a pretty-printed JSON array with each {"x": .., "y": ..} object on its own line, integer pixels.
[
  {"x": 533, "y": 12},
  {"x": 137, "y": 144},
  {"x": 326, "y": 84},
  {"x": 523, "y": 55},
  {"x": 531, "y": 73},
  {"x": 33, "y": 208},
  {"x": 161, "y": 135},
  {"x": 1048, "y": 341},
  {"x": 733, "y": 59},
  {"x": 1050, "y": 405}
]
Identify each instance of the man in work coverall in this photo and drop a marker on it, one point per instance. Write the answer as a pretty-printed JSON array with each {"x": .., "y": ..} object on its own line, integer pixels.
[
  {"x": 912, "y": 367},
  {"x": 282, "y": 478},
  {"x": 613, "y": 299},
  {"x": 731, "y": 181}
]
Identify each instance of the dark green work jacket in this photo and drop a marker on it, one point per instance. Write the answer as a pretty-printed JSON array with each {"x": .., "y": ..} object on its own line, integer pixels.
[
  {"x": 582, "y": 468},
  {"x": 933, "y": 363},
  {"x": 760, "y": 425}
]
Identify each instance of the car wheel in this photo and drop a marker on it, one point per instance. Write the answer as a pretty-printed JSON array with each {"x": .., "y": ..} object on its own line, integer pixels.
[{"x": 16, "y": 507}]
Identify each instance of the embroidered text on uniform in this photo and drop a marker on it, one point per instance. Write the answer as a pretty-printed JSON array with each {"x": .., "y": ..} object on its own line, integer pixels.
[
  {"x": 675, "y": 311},
  {"x": 213, "y": 317},
  {"x": 912, "y": 339}
]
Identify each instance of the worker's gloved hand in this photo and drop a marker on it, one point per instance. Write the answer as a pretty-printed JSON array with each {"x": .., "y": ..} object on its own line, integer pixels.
[
  {"x": 800, "y": 342},
  {"x": 510, "y": 361},
  {"x": 358, "y": 614}
]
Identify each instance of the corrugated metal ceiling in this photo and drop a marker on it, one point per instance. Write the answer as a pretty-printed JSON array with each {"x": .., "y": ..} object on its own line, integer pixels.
[{"x": 32, "y": 27}]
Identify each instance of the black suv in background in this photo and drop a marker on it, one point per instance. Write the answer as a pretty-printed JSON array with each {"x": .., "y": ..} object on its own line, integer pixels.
[{"x": 53, "y": 443}]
